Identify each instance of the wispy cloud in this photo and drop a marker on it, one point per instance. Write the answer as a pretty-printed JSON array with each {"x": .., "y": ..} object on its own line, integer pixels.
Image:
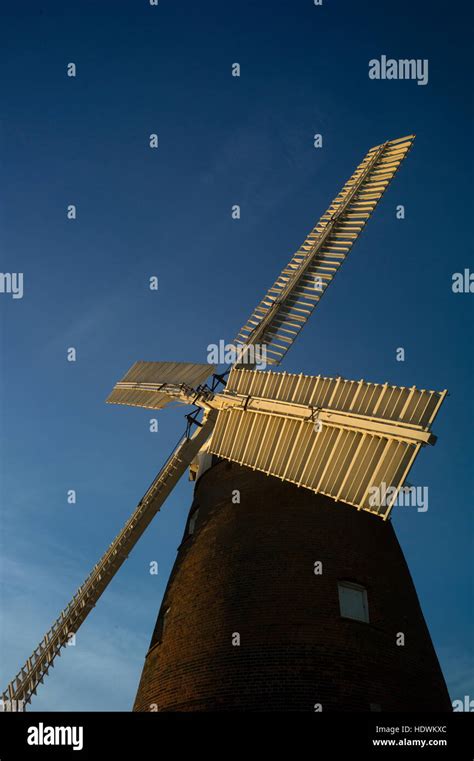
[{"x": 101, "y": 671}]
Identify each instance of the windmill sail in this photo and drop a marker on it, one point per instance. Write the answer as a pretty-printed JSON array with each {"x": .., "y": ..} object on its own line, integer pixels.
[
  {"x": 146, "y": 383},
  {"x": 22, "y": 688},
  {"x": 285, "y": 309},
  {"x": 351, "y": 440},
  {"x": 268, "y": 421}
]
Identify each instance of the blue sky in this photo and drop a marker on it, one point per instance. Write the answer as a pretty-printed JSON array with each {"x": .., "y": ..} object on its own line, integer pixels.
[{"x": 140, "y": 212}]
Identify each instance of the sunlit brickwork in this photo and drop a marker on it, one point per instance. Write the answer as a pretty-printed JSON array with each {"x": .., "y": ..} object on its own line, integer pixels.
[{"x": 249, "y": 569}]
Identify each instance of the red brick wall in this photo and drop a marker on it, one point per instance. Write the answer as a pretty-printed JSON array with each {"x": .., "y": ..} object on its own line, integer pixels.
[{"x": 249, "y": 568}]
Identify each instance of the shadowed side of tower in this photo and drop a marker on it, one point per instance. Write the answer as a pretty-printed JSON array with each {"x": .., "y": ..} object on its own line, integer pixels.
[{"x": 245, "y": 573}]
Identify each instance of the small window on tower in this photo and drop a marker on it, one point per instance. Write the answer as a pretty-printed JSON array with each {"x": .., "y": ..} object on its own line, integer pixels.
[
  {"x": 192, "y": 521},
  {"x": 165, "y": 617},
  {"x": 353, "y": 601}
]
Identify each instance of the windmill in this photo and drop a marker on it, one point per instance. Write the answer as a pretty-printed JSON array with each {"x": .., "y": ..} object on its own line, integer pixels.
[{"x": 338, "y": 439}]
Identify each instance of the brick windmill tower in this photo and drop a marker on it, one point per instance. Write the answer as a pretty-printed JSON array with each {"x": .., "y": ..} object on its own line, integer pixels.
[{"x": 290, "y": 591}]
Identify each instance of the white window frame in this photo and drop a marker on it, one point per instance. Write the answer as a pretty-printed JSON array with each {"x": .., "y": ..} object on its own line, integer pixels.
[
  {"x": 365, "y": 605},
  {"x": 165, "y": 616},
  {"x": 192, "y": 521}
]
